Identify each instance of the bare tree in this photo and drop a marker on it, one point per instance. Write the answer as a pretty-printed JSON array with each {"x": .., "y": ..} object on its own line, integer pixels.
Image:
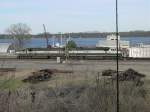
[{"x": 20, "y": 32}]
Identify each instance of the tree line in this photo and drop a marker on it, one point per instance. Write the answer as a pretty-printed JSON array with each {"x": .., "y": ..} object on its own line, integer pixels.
[{"x": 89, "y": 35}]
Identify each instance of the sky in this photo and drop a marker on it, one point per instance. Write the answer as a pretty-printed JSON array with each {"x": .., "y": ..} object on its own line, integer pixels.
[{"x": 75, "y": 15}]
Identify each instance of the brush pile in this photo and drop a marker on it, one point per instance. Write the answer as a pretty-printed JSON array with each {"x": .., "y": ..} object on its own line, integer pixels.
[
  {"x": 43, "y": 75},
  {"x": 128, "y": 75}
]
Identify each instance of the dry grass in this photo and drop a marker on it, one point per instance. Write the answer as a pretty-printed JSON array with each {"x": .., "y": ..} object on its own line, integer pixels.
[
  {"x": 74, "y": 93},
  {"x": 81, "y": 91}
]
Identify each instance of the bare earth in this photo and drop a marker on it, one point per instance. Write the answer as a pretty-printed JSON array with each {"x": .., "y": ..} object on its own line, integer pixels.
[{"x": 142, "y": 66}]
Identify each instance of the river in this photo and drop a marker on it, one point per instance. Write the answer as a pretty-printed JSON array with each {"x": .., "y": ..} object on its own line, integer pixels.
[{"x": 91, "y": 42}]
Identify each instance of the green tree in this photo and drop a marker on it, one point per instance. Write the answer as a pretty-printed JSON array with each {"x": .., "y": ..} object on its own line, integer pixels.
[
  {"x": 20, "y": 32},
  {"x": 71, "y": 45}
]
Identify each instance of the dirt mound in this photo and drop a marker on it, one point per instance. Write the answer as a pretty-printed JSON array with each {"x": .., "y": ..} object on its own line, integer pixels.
[
  {"x": 43, "y": 75},
  {"x": 128, "y": 75}
]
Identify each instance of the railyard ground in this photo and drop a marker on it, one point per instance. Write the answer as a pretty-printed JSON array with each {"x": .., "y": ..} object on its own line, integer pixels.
[
  {"x": 73, "y": 87},
  {"x": 79, "y": 66}
]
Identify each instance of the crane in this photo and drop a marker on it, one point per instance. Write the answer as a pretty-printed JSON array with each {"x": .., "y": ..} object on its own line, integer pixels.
[{"x": 45, "y": 33}]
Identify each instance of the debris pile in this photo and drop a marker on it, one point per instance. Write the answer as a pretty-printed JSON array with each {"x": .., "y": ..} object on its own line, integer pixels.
[
  {"x": 43, "y": 75},
  {"x": 128, "y": 75}
]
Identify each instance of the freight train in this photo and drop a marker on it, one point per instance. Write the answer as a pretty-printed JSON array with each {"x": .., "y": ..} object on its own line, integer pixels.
[{"x": 77, "y": 53}]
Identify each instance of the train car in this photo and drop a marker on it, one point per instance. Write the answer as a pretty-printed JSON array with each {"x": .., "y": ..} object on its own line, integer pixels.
[
  {"x": 141, "y": 52},
  {"x": 78, "y": 53}
]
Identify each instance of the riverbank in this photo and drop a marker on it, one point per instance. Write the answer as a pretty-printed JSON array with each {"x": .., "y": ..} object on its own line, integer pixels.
[{"x": 89, "y": 34}]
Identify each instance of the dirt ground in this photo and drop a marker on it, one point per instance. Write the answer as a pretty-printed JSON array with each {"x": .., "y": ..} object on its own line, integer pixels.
[{"x": 142, "y": 66}]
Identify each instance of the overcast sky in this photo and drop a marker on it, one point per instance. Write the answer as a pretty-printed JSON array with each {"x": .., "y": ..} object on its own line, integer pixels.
[{"x": 75, "y": 15}]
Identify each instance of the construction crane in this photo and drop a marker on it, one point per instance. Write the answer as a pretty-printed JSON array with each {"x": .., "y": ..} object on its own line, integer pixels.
[{"x": 46, "y": 36}]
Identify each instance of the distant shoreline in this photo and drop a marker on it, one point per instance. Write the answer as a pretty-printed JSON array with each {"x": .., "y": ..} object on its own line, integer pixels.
[{"x": 90, "y": 34}]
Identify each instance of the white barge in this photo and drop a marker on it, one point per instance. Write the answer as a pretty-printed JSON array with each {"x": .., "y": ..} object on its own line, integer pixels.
[{"x": 110, "y": 42}]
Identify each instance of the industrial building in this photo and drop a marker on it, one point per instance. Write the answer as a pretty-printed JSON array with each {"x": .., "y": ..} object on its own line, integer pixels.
[{"x": 6, "y": 48}]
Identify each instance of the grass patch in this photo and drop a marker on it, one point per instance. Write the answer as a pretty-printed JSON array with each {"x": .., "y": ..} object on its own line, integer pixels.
[{"x": 11, "y": 84}]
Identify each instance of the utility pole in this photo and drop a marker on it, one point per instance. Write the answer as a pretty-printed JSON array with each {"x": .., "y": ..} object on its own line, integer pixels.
[{"x": 117, "y": 45}]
